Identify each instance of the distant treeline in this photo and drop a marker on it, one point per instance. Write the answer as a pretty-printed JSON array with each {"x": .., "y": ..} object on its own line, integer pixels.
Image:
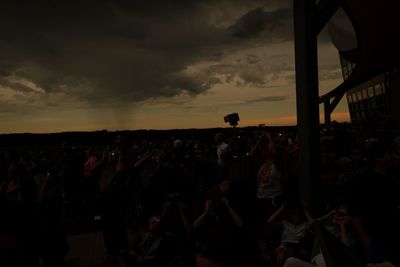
[{"x": 107, "y": 137}]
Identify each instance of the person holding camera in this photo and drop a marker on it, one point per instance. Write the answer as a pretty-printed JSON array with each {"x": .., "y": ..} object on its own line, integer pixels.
[
  {"x": 218, "y": 228},
  {"x": 222, "y": 171},
  {"x": 269, "y": 179}
]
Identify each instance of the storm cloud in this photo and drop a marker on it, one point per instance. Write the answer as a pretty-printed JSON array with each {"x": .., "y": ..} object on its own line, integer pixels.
[
  {"x": 116, "y": 52},
  {"x": 268, "y": 99},
  {"x": 276, "y": 26}
]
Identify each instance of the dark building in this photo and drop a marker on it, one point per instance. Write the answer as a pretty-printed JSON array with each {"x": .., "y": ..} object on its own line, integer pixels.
[{"x": 377, "y": 99}]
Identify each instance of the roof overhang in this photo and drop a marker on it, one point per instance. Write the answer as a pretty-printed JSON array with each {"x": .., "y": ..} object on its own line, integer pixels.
[{"x": 376, "y": 24}]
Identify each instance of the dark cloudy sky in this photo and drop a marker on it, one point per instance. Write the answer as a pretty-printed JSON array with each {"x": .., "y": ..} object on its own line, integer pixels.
[{"x": 88, "y": 65}]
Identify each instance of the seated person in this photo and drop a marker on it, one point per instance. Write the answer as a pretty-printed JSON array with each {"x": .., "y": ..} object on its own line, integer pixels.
[
  {"x": 337, "y": 223},
  {"x": 294, "y": 229},
  {"x": 148, "y": 248}
]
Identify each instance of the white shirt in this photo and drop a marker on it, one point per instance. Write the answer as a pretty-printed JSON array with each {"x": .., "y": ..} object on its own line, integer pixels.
[
  {"x": 268, "y": 181},
  {"x": 293, "y": 233},
  {"x": 220, "y": 149}
]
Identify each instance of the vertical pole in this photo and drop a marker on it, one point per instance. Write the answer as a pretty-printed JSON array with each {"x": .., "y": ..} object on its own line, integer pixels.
[
  {"x": 308, "y": 108},
  {"x": 327, "y": 112},
  {"x": 307, "y": 98}
]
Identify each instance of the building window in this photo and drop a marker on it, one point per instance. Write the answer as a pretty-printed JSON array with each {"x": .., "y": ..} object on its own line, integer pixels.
[
  {"x": 359, "y": 96},
  {"x": 362, "y": 114},
  {"x": 364, "y": 94},
  {"x": 372, "y": 102},
  {"x": 349, "y": 99},
  {"x": 378, "y": 89},
  {"x": 371, "y": 91},
  {"x": 366, "y": 104},
  {"x": 345, "y": 73}
]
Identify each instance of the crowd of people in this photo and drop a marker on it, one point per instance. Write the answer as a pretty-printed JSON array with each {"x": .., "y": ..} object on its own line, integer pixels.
[{"x": 227, "y": 199}]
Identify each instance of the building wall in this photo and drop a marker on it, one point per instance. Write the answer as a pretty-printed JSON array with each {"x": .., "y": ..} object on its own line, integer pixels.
[
  {"x": 377, "y": 98},
  {"x": 368, "y": 99},
  {"x": 394, "y": 93}
]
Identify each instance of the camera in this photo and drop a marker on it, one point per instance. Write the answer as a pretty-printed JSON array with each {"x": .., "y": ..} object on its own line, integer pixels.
[{"x": 232, "y": 119}]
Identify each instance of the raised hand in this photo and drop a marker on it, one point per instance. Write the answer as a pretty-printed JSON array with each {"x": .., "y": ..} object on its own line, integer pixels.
[{"x": 225, "y": 201}]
